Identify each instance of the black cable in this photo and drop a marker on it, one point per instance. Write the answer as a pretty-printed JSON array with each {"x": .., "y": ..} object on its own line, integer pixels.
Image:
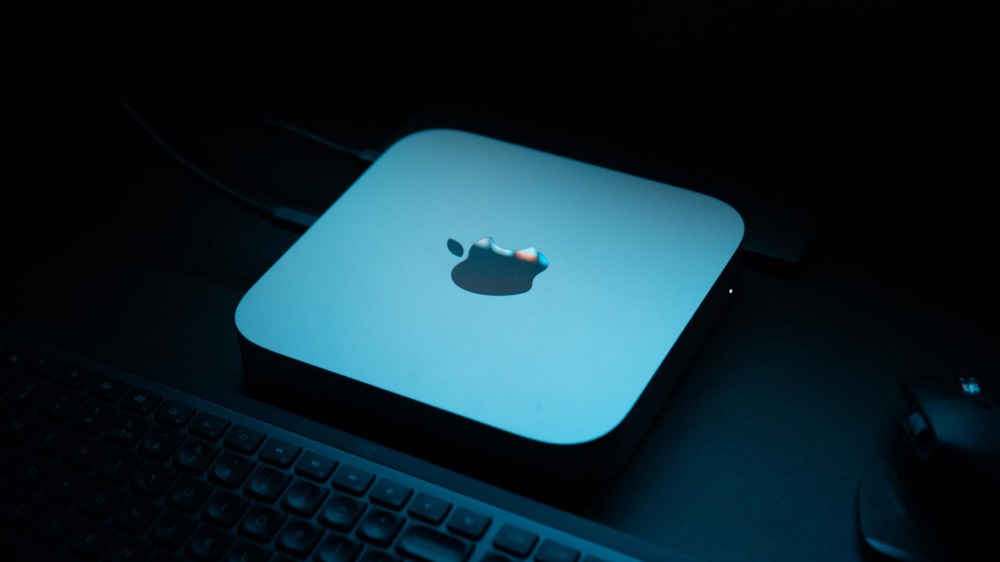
[
  {"x": 286, "y": 216},
  {"x": 267, "y": 210},
  {"x": 368, "y": 155},
  {"x": 100, "y": 76}
]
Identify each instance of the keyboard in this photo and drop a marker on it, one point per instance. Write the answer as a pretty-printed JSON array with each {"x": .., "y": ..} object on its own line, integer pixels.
[{"x": 97, "y": 462}]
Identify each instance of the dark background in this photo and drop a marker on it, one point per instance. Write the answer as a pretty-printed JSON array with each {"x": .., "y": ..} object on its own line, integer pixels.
[{"x": 858, "y": 139}]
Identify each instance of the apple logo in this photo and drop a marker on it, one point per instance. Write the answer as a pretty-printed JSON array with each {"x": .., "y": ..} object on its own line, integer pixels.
[{"x": 492, "y": 270}]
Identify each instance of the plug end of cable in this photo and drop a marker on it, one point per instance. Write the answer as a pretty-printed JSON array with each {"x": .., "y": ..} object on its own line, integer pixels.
[
  {"x": 293, "y": 218},
  {"x": 369, "y": 154}
]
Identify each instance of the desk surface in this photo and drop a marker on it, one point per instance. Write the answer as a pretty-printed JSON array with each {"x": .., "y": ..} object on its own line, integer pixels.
[{"x": 853, "y": 142}]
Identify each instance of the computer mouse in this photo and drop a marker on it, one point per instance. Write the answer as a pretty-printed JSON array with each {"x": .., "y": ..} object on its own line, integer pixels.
[
  {"x": 940, "y": 497},
  {"x": 951, "y": 440}
]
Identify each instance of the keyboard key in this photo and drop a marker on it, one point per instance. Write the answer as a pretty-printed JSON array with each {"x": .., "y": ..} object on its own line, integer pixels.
[
  {"x": 551, "y": 551},
  {"x": 429, "y": 508},
  {"x": 341, "y": 512},
  {"x": 136, "y": 514},
  {"x": 372, "y": 555},
  {"x": 31, "y": 471},
  {"x": 107, "y": 388},
  {"x": 91, "y": 539},
  {"x": 55, "y": 524},
  {"x": 208, "y": 426},
  {"x": 93, "y": 416},
  {"x": 266, "y": 483},
  {"x": 74, "y": 377},
  {"x": 261, "y": 522},
  {"x": 140, "y": 401},
  {"x": 468, "y": 523},
  {"x": 515, "y": 540},
  {"x": 162, "y": 555},
  {"x": 279, "y": 453},
  {"x": 59, "y": 403},
  {"x": 188, "y": 494},
  {"x": 195, "y": 455},
  {"x": 153, "y": 479},
  {"x": 66, "y": 485},
  {"x": 232, "y": 469},
  {"x": 246, "y": 551},
  {"x": 224, "y": 508},
  {"x": 26, "y": 393},
  {"x": 172, "y": 529},
  {"x": 128, "y": 549},
  {"x": 17, "y": 427},
  {"x": 41, "y": 365},
  {"x": 379, "y": 527},
  {"x": 19, "y": 510},
  {"x": 243, "y": 439},
  {"x": 351, "y": 479},
  {"x": 101, "y": 499},
  {"x": 119, "y": 465},
  {"x": 303, "y": 497},
  {"x": 11, "y": 355},
  {"x": 208, "y": 543},
  {"x": 390, "y": 494},
  {"x": 161, "y": 442},
  {"x": 173, "y": 413},
  {"x": 84, "y": 452},
  {"x": 424, "y": 543},
  {"x": 299, "y": 537},
  {"x": 337, "y": 548},
  {"x": 315, "y": 466},
  {"x": 127, "y": 429},
  {"x": 50, "y": 439}
]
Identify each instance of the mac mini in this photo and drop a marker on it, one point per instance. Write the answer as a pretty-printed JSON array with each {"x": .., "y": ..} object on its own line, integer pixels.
[{"x": 470, "y": 295}]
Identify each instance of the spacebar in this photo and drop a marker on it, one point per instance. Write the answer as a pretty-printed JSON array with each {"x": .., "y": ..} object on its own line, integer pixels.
[{"x": 426, "y": 544}]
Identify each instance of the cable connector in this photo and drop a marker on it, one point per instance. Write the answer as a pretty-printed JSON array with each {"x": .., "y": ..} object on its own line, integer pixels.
[
  {"x": 366, "y": 154},
  {"x": 369, "y": 154},
  {"x": 287, "y": 216}
]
